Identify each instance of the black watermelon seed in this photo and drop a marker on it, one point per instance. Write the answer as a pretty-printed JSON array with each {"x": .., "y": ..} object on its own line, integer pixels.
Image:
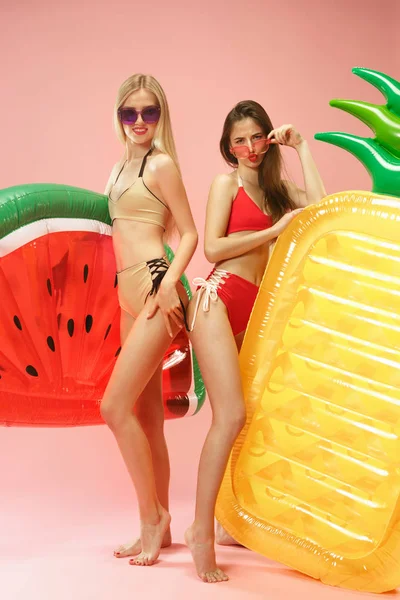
[
  {"x": 70, "y": 327},
  {"x": 116, "y": 280},
  {"x": 88, "y": 323},
  {"x": 118, "y": 351},
  {"x": 58, "y": 320},
  {"x": 17, "y": 323},
  {"x": 51, "y": 344},
  {"x": 107, "y": 331},
  {"x": 49, "y": 287},
  {"x": 85, "y": 273},
  {"x": 31, "y": 371}
]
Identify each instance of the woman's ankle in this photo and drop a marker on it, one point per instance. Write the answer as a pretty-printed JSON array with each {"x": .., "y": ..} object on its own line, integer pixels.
[{"x": 201, "y": 534}]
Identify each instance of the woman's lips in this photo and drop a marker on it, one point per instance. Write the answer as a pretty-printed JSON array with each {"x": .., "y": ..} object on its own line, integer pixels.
[{"x": 139, "y": 130}]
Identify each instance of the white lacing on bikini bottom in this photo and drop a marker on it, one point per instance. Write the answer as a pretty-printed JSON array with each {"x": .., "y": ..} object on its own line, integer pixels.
[{"x": 208, "y": 290}]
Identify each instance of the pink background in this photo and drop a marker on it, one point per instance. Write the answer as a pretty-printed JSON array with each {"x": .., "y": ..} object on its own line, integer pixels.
[{"x": 60, "y": 70}]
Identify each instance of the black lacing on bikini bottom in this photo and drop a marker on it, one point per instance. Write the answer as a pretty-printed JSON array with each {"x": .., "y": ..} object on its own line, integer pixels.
[{"x": 158, "y": 268}]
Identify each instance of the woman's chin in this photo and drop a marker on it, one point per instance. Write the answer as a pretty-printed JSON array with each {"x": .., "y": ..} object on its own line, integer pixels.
[
  {"x": 140, "y": 140},
  {"x": 253, "y": 165}
]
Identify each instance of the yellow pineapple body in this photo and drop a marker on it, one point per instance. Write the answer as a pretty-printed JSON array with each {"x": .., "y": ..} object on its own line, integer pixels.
[{"x": 314, "y": 478}]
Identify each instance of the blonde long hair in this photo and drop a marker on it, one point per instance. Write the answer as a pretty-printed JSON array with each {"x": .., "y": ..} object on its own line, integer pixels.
[{"x": 163, "y": 138}]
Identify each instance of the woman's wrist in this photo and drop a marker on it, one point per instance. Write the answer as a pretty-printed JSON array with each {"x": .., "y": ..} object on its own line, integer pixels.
[
  {"x": 169, "y": 281},
  {"x": 301, "y": 146},
  {"x": 269, "y": 234},
  {"x": 272, "y": 232}
]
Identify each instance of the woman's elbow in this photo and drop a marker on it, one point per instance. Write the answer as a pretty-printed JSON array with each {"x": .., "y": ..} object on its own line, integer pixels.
[
  {"x": 210, "y": 253},
  {"x": 191, "y": 238},
  {"x": 314, "y": 199},
  {"x": 195, "y": 238}
]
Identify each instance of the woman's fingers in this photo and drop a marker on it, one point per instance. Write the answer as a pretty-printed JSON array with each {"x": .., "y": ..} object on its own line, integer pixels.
[
  {"x": 179, "y": 311},
  {"x": 153, "y": 308},
  {"x": 178, "y": 316},
  {"x": 177, "y": 319},
  {"x": 168, "y": 324}
]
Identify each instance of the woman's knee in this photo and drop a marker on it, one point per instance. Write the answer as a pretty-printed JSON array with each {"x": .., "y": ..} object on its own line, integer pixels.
[
  {"x": 238, "y": 420},
  {"x": 112, "y": 414},
  {"x": 232, "y": 422}
]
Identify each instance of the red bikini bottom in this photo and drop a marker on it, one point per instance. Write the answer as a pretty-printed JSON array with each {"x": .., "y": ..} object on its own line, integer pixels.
[{"x": 236, "y": 293}]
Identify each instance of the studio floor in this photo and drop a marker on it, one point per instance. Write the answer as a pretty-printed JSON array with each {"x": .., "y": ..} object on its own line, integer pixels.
[
  {"x": 66, "y": 502},
  {"x": 63, "y": 558}
]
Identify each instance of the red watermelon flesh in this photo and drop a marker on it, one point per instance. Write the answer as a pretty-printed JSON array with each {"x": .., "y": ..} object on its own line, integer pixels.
[{"x": 59, "y": 331}]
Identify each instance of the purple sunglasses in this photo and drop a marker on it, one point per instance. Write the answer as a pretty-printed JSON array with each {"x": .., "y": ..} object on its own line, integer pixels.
[{"x": 149, "y": 114}]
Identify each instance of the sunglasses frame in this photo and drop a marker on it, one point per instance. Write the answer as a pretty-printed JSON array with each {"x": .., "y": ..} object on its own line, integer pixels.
[
  {"x": 266, "y": 140},
  {"x": 139, "y": 112}
]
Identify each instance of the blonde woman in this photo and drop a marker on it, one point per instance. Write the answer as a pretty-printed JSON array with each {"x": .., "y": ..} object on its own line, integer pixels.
[{"x": 146, "y": 199}]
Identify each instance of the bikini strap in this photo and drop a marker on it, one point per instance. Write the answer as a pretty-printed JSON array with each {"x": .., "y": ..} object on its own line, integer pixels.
[
  {"x": 119, "y": 172},
  {"x": 144, "y": 163},
  {"x": 240, "y": 181}
]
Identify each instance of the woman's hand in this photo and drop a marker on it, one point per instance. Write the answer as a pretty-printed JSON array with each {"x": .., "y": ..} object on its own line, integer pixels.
[
  {"x": 167, "y": 300},
  {"x": 285, "y": 220},
  {"x": 287, "y": 135}
]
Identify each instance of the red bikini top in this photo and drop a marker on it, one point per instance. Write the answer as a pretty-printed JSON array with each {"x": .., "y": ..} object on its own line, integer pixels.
[{"x": 245, "y": 214}]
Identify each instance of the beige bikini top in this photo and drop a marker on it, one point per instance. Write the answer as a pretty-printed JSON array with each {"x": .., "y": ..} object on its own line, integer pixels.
[{"x": 137, "y": 202}]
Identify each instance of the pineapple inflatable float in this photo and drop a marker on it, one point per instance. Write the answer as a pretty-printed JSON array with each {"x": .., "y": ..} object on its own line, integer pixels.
[{"x": 314, "y": 478}]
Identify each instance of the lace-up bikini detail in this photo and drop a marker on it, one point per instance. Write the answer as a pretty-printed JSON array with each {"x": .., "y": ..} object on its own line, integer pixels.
[
  {"x": 208, "y": 290},
  {"x": 158, "y": 268},
  {"x": 238, "y": 294},
  {"x": 138, "y": 282}
]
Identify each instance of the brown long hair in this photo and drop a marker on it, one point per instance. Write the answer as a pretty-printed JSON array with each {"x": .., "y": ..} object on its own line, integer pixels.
[{"x": 276, "y": 195}]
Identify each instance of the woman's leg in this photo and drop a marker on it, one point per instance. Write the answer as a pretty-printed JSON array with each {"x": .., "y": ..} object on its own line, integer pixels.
[
  {"x": 137, "y": 363},
  {"x": 149, "y": 410},
  {"x": 217, "y": 354},
  {"x": 222, "y": 537}
]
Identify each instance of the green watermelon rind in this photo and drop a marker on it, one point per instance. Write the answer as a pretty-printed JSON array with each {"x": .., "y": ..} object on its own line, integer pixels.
[
  {"x": 199, "y": 388},
  {"x": 24, "y": 204}
]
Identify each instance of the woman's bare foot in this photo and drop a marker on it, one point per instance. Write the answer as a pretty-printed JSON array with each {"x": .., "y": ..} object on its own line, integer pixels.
[
  {"x": 223, "y": 538},
  {"x": 135, "y": 548},
  {"x": 152, "y": 537},
  {"x": 203, "y": 554}
]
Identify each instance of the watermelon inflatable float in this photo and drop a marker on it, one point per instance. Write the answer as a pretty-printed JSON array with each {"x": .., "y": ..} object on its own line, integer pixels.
[{"x": 59, "y": 319}]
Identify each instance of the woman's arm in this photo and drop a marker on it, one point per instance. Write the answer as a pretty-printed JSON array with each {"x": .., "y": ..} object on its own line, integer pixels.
[
  {"x": 217, "y": 246},
  {"x": 314, "y": 191},
  {"x": 174, "y": 195}
]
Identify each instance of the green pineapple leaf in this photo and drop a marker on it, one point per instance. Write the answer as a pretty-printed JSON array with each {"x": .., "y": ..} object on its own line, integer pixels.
[{"x": 380, "y": 155}]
